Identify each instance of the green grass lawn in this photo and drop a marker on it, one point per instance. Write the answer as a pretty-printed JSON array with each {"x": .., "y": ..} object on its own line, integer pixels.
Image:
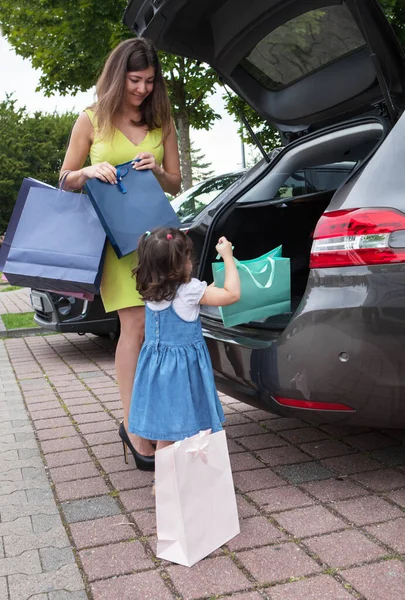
[
  {"x": 10, "y": 288},
  {"x": 19, "y": 320}
]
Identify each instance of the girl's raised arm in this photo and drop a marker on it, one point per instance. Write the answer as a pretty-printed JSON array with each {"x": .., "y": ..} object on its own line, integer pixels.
[{"x": 230, "y": 293}]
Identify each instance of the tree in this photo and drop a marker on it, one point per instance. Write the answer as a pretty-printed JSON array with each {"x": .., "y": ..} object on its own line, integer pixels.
[
  {"x": 201, "y": 168},
  {"x": 189, "y": 84},
  {"x": 267, "y": 134},
  {"x": 30, "y": 146},
  {"x": 395, "y": 12},
  {"x": 69, "y": 42}
]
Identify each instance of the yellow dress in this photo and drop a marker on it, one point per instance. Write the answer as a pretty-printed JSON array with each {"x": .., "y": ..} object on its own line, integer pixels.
[{"x": 118, "y": 288}]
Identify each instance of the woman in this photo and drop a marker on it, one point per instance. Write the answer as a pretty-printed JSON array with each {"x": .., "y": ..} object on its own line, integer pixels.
[{"x": 130, "y": 120}]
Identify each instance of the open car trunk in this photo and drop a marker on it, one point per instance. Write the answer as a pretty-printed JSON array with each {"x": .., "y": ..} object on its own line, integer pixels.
[
  {"x": 255, "y": 231},
  {"x": 256, "y": 225}
]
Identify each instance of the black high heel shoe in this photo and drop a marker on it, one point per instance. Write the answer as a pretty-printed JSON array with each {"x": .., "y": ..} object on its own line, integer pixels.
[{"x": 143, "y": 463}]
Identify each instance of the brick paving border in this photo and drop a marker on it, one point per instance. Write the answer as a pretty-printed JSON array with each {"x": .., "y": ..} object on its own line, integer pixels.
[
  {"x": 15, "y": 302},
  {"x": 322, "y": 507},
  {"x": 36, "y": 557}
]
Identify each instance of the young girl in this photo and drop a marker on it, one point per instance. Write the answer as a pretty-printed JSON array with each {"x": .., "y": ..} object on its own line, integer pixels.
[{"x": 174, "y": 394}]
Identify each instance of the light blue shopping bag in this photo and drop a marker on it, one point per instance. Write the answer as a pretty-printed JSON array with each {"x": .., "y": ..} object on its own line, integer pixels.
[
  {"x": 58, "y": 243},
  {"x": 265, "y": 288}
]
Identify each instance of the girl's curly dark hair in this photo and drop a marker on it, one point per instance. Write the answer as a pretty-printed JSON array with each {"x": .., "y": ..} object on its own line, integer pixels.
[{"x": 163, "y": 263}]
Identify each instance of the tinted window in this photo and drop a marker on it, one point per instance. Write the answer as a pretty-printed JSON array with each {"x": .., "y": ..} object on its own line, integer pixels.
[
  {"x": 303, "y": 45},
  {"x": 194, "y": 200},
  {"x": 318, "y": 179},
  {"x": 295, "y": 185},
  {"x": 329, "y": 179}
]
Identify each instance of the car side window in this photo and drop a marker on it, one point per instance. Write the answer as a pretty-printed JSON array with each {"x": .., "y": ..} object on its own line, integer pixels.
[
  {"x": 324, "y": 178},
  {"x": 295, "y": 185},
  {"x": 328, "y": 179}
]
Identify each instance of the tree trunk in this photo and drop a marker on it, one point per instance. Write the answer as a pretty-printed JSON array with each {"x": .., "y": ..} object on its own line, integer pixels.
[{"x": 183, "y": 126}]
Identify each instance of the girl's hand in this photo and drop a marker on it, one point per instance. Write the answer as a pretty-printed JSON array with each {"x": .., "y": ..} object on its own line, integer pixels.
[
  {"x": 103, "y": 171},
  {"x": 224, "y": 248},
  {"x": 230, "y": 293},
  {"x": 146, "y": 160}
]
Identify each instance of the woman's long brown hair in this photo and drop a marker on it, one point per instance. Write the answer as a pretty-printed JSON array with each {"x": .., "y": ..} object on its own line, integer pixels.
[{"x": 131, "y": 55}]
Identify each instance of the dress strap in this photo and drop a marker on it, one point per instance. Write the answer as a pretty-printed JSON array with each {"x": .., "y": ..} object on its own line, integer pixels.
[{"x": 90, "y": 114}]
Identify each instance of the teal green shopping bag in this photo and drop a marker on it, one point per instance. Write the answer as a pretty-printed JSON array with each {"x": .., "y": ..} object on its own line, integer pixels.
[{"x": 265, "y": 288}]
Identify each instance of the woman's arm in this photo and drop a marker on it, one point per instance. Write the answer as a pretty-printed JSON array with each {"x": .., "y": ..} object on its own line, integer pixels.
[
  {"x": 76, "y": 154},
  {"x": 169, "y": 174}
]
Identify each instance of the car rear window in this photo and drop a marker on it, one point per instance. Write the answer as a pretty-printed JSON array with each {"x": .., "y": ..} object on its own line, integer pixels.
[{"x": 303, "y": 45}]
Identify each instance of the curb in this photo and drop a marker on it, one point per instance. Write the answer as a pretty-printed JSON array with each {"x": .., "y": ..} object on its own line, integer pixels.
[
  {"x": 21, "y": 332},
  {"x": 27, "y": 332}
]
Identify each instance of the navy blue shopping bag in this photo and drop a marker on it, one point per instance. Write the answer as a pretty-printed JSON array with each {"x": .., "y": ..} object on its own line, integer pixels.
[
  {"x": 26, "y": 185},
  {"x": 58, "y": 243},
  {"x": 134, "y": 205}
]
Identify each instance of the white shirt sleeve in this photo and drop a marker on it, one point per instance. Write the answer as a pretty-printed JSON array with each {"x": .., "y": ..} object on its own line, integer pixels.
[{"x": 187, "y": 301}]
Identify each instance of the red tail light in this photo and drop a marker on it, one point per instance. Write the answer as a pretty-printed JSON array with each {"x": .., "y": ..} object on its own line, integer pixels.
[
  {"x": 309, "y": 405},
  {"x": 361, "y": 236}
]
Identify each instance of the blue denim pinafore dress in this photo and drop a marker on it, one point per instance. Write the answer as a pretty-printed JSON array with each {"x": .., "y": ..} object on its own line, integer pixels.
[{"x": 174, "y": 394}]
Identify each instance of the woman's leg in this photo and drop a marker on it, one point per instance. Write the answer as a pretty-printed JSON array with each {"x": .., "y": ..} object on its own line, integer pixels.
[
  {"x": 132, "y": 334},
  {"x": 163, "y": 444}
]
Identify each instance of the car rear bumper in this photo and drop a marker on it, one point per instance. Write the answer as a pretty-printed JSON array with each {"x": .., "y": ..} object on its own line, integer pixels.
[
  {"x": 345, "y": 345},
  {"x": 71, "y": 315}
]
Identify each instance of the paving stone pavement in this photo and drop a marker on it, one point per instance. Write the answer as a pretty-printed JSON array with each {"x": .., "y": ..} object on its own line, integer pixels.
[
  {"x": 321, "y": 506},
  {"x": 15, "y": 302}
]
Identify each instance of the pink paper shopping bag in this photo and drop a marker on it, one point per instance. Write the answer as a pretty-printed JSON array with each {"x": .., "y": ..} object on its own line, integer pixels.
[
  {"x": 81, "y": 295},
  {"x": 196, "y": 510}
]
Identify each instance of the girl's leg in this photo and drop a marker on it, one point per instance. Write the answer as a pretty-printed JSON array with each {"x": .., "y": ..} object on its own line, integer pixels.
[{"x": 132, "y": 334}]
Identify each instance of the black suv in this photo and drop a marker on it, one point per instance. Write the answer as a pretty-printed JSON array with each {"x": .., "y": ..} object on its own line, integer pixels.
[{"x": 330, "y": 75}]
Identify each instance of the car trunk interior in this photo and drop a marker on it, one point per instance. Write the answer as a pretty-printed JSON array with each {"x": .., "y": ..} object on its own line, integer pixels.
[{"x": 259, "y": 221}]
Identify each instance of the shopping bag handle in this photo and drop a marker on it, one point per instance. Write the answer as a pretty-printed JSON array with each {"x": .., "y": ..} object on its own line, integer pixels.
[
  {"x": 122, "y": 171},
  {"x": 62, "y": 180},
  {"x": 120, "y": 175},
  {"x": 269, "y": 283}
]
